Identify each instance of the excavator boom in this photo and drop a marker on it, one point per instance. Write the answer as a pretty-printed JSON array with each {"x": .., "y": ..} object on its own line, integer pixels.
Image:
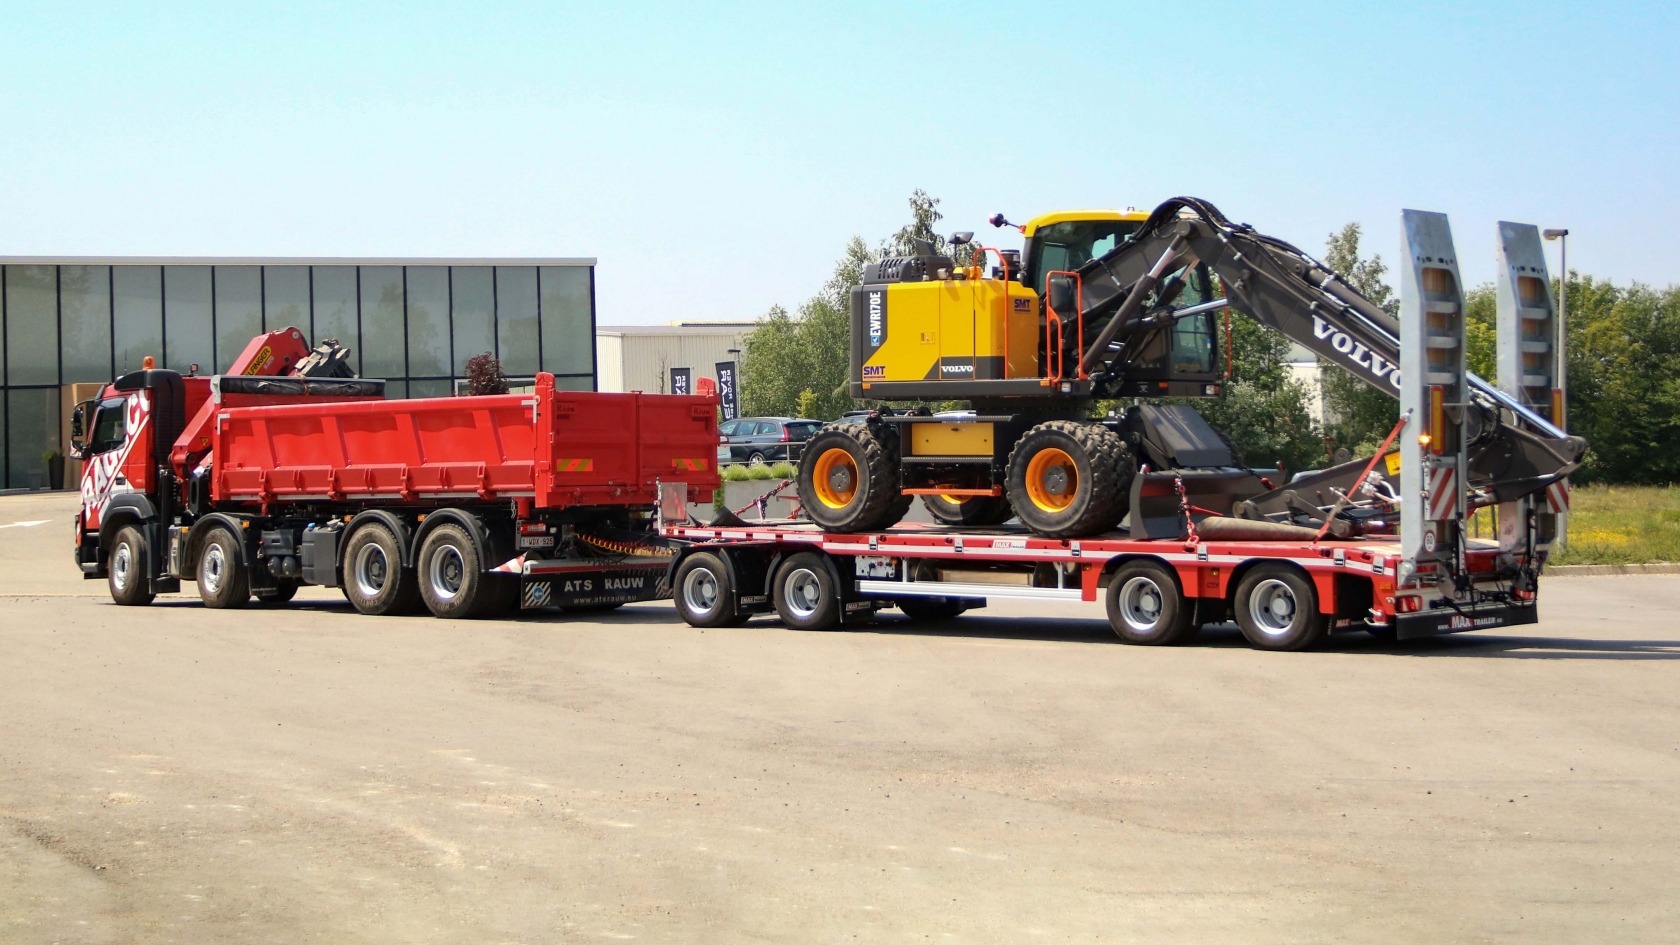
[{"x": 1514, "y": 450}]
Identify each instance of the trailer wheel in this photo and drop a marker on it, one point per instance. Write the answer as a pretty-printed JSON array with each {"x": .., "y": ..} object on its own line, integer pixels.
[
  {"x": 705, "y": 592},
  {"x": 222, "y": 580},
  {"x": 1146, "y": 606},
  {"x": 277, "y": 596},
  {"x": 127, "y": 567},
  {"x": 452, "y": 579},
  {"x": 973, "y": 510},
  {"x": 805, "y": 593},
  {"x": 848, "y": 479},
  {"x": 1069, "y": 479},
  {"x": 931, "y": 608},
  {"x": 1277, "y": 609},
  {"x": 374, "y": 579}
]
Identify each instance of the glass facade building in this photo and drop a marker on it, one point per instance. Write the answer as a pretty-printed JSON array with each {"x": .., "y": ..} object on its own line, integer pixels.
[{"x": 414, "y": 322}]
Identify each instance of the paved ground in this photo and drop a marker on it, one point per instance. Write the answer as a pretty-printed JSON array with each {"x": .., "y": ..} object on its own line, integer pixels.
[{"x": 174, "y": 774}]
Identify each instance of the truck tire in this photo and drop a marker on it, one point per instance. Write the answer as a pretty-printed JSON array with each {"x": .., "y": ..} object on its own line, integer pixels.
[
  {"x": 931, "y": 608},
  {"x": 805, "y": 593},
  {"x": 223, "y": 582},
  {"x": 1069, "y": 479},
  {"x": 128, "y": 568},
  {"x": 451, "y": 574},
  {"x": 848, "y": 480},
  {"x": 705, "y": 592},
  {"x": 374, "y": 579},
  {"x": 1277, "y": 608},
  {"x": 1146, "y": 606},
  {"x": 977, "y": 511}
]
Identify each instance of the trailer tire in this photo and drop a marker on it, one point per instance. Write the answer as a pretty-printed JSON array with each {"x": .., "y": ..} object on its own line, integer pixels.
[
  {"x": 1277, "y": 609},
  {"x": 848, "y": 479},
  {"x": 705, "y": 592},
  {"x": 1069, "y": 479},
  {"x": 931, "y": 608},
  {"x": 1146, "y": 606},
  {"x": 451, "y": 575},
  {"x": 223, "y": 582},
  {"x": 128, "y": 568},
  {"x": 976, "y": 511},
  {"x": 375, "y": 582},
  {"x": 277, "y": 596},
  {"x": 806, "y": 595}
]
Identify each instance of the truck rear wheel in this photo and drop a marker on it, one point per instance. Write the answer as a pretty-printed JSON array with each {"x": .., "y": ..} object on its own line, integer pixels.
[
  {"x": 848, "y": 480},
  {"x": 374, "y": 580},
  {"x": 806, "y": 594},
  {"x": 978, "y": 511},
  {"x": 451, "y": 574},
  {"x": 222, "y": 580},
  {"x": 1069, "y": 479},
  {"x": 705, "y": 592},
  {"x": 1146, "y": 606},
  {"x": 1277, "y": 609},
  {"x": 127, "y": 568}
]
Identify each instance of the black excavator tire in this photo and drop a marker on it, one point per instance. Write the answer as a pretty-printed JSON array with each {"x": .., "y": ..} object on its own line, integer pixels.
[
  {"x": 1104, "y": 465},
  {"x": 978, "y": 511},
  {"x": 876, "y": 502}
]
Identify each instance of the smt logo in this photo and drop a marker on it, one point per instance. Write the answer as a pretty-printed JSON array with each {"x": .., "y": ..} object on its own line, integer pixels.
[
  {"x": 874, "y": 370},
  {"x": 1023, "y": 305}
]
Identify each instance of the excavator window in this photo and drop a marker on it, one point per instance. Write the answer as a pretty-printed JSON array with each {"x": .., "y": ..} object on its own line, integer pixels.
[{"x": 1071, "y": 245}]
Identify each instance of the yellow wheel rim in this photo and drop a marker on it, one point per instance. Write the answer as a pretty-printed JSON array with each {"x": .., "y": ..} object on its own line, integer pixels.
[
  {"x": 835, "y": 478},
  {"x": 1052, "y": 469},
  {"x": 953, "y": 499}
]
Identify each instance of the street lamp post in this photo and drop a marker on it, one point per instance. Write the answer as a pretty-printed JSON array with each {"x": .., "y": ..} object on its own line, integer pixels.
[{"x": 1562, "y": 411}]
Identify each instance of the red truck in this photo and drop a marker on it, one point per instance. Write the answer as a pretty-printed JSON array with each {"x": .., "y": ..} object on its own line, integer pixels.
[{"x": 288, "y": 471}]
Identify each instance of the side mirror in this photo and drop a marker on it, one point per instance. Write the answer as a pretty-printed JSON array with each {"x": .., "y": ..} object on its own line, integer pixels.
[
  {"x": 962, "y": 239},
  {"x": 1061, "y": 295},
  {"x": 78, "y": 427}
]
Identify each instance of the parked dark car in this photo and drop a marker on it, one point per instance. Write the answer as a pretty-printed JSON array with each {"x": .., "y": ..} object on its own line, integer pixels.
[{"x": 759, "y": 440}]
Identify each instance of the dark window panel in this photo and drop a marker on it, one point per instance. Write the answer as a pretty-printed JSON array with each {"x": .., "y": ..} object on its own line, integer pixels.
[
  {"x": 516, "y": 320},
  {"x": 31, "y": 325},
  {"x": 84, "y": 299},
  {"x": 137, "y": 296},
  {"x": 383, "y": 338},
  {"x": 428, "y": 321},
  {"x": 238, "y": 311},
  {"x": 188, "y": 334},
  {"x": 335, "y": 309}
]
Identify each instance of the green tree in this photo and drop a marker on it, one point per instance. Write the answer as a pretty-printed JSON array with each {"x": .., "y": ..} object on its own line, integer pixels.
[
  {"x": 1358, "y": 416},
  {"x": 1624, "y": 380},
  {"x": 788, "y": 355},
  {"x": 924, "y": 216},
  {"x": 1264, "y": 408}
]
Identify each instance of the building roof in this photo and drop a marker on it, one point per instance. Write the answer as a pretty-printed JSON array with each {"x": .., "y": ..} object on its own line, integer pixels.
[{"x": 680, "y": 328}]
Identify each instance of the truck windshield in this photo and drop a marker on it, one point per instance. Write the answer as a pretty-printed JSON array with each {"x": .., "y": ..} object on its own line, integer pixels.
[{"x": 1071, "y": 245}]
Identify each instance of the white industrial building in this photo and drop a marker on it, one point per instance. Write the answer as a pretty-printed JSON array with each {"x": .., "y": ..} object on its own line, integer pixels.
[{"x": 640, "y": 357}]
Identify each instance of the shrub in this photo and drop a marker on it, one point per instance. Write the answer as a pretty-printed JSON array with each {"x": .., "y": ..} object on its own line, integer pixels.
[
  {"x": 760, "y": 473},
  {"x": 783, "y": 470},
  {"x": 735, "y": 474}
]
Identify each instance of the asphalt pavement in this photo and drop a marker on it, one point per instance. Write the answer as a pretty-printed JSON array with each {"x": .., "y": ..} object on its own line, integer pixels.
[{"x": 176, "y": 774}]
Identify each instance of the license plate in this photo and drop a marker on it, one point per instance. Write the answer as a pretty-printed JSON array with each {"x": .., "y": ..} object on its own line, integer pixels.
[{"x": 536, "y": 541}]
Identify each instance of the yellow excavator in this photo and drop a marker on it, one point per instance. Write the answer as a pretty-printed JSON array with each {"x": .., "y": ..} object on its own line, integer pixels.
[{"x": 1097, "y": 305}]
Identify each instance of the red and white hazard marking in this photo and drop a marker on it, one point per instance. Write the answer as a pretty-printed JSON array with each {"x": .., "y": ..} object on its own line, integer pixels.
[
  {"x": 1557, "y": 496},
  {"x": 1443, "y": 500}
]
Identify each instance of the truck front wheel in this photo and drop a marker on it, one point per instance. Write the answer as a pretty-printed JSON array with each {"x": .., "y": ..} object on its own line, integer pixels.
[
  {"x": 222, "y": 581},
  {"x": 374, "y": 580},
  {"x": 451, "y": 573},
  {"x": 126, "y": 568}
]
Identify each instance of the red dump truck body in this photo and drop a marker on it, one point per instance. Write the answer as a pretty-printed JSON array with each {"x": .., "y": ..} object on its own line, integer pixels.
[{"x": 555, "y": 448}]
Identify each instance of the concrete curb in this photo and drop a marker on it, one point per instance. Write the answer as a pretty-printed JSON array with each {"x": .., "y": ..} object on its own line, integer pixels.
[{"x": 1594, "y": 570}]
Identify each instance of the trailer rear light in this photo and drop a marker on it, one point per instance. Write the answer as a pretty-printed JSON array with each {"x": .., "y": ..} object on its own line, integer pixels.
[
  {"x": 533, "y": 528},
  {"x": 1408, "y": 604},
  {"x": 1523, "y": 593}
]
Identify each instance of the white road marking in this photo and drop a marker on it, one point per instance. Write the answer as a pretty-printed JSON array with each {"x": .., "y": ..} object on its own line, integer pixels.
[{"x": 27, "y": 524}]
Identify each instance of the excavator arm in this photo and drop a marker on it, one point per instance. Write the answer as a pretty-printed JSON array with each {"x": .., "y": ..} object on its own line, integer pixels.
[{"x": 1129, "y": 292}]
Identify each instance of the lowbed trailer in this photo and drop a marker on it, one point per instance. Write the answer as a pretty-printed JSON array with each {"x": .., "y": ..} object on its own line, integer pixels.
[
  {"x": 1384, "y": 550},
  {"x": 1284, "y": 595},
  {"x": 271, "y": 477}
]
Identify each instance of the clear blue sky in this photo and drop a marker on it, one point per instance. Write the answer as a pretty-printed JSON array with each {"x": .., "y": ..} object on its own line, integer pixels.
[{"x": 717, "y": 163}]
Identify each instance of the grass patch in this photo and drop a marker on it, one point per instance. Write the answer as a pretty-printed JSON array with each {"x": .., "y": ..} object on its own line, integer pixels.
[
  {"x": 783, "y": 470},
  {"x": 1622, "y": 525},
  {"x": 734, "y": 474}
]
